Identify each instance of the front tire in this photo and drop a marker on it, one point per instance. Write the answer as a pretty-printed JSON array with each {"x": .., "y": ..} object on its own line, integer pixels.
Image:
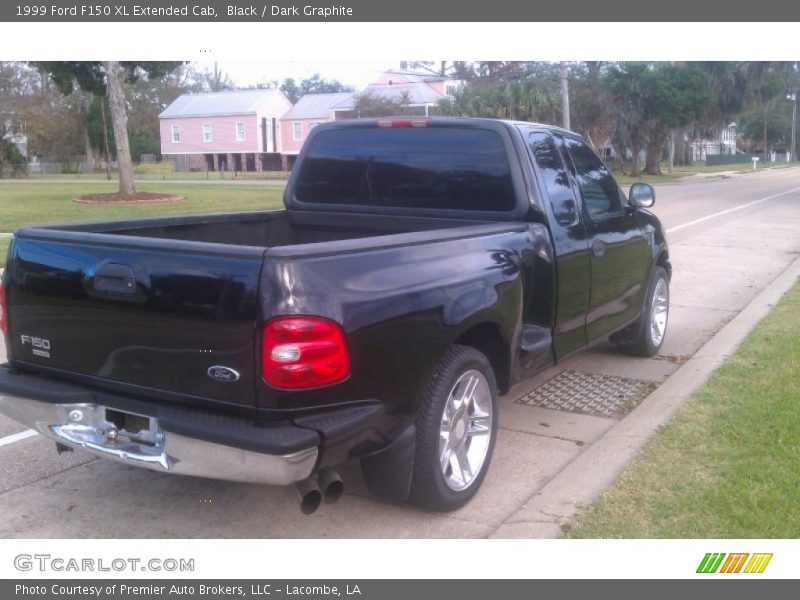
[
  {"x": 456, "y": 428},
  {"x": 652, "y": 325}
]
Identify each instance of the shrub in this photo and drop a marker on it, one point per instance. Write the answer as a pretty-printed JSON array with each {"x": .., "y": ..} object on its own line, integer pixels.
[{"x": 158, "y": 167}]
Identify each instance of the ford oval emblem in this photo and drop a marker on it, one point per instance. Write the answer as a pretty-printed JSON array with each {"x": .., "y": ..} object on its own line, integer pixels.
[{"x": 220, "y": 373}]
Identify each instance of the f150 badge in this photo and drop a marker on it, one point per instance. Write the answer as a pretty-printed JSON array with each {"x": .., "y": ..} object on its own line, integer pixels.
[
  {"x": 221, "y": 373},
  {"x": 39, "y": 346}
]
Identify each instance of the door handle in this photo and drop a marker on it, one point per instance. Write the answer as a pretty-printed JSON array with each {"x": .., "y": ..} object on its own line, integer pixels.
[
  {"x": 598, "y": 249},
  {"x": 113, "y": 281}
]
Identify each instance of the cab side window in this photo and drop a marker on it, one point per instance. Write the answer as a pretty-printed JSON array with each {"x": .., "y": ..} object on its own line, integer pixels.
[
  {"x": 601, "y": 195},
  {"x": 549, "y": 161}
]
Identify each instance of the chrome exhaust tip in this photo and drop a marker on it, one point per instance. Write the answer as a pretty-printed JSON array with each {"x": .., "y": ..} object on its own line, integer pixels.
[
  {"x": 331, "y": 484},
  {"x": 310, "y": 495}
]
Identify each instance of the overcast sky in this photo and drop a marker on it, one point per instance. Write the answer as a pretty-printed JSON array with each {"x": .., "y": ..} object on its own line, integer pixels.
[{"x": 355, "y": 73}]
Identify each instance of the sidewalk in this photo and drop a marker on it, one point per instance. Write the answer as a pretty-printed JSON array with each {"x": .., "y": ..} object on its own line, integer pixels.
[
  {"x": 554, "y": 507},
  {"x": 742, "y": 171}
]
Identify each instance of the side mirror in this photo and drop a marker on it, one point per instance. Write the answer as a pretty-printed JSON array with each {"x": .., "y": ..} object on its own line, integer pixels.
[{"x": 642, "y": 195}]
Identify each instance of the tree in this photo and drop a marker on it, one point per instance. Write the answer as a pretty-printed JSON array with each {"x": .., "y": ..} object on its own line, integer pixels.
[
  {"x": 441, "y": 68},
  {"x": 10, "y": 156},
  {"x": 372, "y": 105},
  {"x": 591, "y": 111},
  {"x": 214, "y": 81},
  {"x": 650, "y": 100},
  {"x": 767, "y": 81},
  {"x": 316, "y": 84},
  {"x": 107, "y": 79},
  {"x": 290, "y": 89},
  {"x": 533, "y": 99}
]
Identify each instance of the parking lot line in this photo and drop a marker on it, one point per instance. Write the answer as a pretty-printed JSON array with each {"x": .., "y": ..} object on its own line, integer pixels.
[{"x": 17, "y": 437}]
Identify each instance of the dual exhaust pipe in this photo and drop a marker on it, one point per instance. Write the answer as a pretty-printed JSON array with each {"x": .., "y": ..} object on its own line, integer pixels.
[{"x": 327, "y": 485}]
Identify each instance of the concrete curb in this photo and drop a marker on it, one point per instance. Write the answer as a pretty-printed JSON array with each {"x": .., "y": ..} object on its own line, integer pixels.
[
  {"x": 716, "y": 177},
  {"x": 559, "y": 502}
]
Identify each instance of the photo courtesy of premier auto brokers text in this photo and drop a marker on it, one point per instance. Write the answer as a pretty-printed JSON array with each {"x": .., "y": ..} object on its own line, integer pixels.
[{"x": 393, "y": 292}]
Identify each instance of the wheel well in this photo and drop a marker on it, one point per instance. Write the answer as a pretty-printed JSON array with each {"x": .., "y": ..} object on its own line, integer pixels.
[
  {"x": 486, "y": 338},
  {"x": 663, "y": 261}
]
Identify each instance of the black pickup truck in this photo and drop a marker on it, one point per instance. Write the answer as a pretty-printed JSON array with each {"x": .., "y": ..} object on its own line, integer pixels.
[{"x": 420, "y": 268}]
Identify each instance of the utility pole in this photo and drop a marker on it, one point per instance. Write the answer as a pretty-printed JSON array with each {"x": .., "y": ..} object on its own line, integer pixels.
[
  {"x": 794, "y": 125},
  {"x": 565, "y": 95}
]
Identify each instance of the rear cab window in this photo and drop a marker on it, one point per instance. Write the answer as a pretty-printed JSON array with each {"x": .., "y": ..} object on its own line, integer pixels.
[{"x": 444, "y": 168}]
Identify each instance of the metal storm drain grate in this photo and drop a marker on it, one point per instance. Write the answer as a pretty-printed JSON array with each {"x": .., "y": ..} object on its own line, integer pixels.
[{"x": 589, "y": 393}]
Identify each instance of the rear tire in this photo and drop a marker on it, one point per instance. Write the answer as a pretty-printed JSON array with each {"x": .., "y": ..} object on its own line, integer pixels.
[
  {"x": 456, "y": 428},
  {"x": 651, "y": 328}
]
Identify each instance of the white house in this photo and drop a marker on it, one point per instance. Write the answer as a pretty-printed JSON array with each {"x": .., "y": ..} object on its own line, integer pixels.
[{"x": 722, "y": 143}]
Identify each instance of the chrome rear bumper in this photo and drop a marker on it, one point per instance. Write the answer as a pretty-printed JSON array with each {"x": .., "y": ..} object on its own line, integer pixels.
[{"x": 140, "y": 440}]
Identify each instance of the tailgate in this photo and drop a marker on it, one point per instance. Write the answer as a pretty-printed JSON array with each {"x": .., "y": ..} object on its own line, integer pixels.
[{"x": 151, "y": 315}]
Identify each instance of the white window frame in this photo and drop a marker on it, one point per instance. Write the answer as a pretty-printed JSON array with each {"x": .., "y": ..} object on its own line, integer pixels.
[
  {"x": 244, "y": 131},
  {"x": 210, "y": 133},
  {"x": 295, "y": 135},
  {"x": 176, "y": 129}
]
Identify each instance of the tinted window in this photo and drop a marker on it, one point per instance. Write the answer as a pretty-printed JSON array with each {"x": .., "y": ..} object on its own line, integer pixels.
[
  {"x": 551, "y": 165},
  {"x": 437, "y": 167},
  {"x": 600, "y": 192}
]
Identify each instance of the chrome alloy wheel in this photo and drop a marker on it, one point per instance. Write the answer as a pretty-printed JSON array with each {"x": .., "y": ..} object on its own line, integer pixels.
[
  {"x": 659, "y": 312},
  {"x": 465, "y": 432}
]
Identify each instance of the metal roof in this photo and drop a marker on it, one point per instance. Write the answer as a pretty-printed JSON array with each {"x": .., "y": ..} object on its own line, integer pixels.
[
  {"x": 418, "y": 93},
  {"x": 319, "y": 106},
  {"x": 414, "y": 76},
  {"x": 237, "y": 102}
]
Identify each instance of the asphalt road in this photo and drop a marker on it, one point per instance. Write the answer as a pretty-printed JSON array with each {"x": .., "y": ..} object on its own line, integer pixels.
[{"x": 729, "y": 238}]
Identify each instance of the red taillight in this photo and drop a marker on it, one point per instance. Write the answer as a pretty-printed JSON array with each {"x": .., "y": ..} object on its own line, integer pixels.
[
  {"x": 3, "y": 311},
  {"x": 303, "y": 353},
  {"x": 402, "y": 123}
]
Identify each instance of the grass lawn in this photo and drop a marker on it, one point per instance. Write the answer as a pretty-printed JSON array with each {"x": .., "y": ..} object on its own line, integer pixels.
[
  {"x": 156, "y": 175},
  {"x": 728, "y": 466},
  {"x": 34, "y": 203}
]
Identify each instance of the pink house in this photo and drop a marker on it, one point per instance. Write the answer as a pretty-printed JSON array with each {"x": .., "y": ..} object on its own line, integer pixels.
[
  {"x": 310, "y": 110},
  {"x": 423, "y": 92},
  {"x": 440, "y": 84},
  {"x": 251, "y": 130},
  {"x": 235, "y": 130}
]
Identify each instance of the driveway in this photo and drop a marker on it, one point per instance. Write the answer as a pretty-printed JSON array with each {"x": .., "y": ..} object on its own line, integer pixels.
[{"x": 729, "y": 238}]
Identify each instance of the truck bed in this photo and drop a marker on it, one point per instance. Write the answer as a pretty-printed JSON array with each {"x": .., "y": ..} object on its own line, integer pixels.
[
  {"x": 267, "y": 229},
  {"x": 116, "y": 302}
]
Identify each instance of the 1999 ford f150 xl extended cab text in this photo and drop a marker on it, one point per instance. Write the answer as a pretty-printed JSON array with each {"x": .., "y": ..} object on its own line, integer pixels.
[{"x": 420, "y": 268}]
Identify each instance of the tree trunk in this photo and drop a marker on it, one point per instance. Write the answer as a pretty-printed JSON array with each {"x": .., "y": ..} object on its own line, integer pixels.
[
  {"x": 681, "y": 158},
  {"x": 635, "y": 150},
  {"x": 671, "y": 151},
  {"x": 105, "y": 138},
  {"x": 653, "y": 160},
  {"x": 766, "y": 150},
  {"x": 119, "y": 120},
  {"x": 565, "y": 96},
  {"x": 89, "y": 152}
]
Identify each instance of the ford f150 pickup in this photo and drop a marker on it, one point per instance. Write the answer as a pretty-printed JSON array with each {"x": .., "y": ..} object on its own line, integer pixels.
[{"x": 420, "y": 268}]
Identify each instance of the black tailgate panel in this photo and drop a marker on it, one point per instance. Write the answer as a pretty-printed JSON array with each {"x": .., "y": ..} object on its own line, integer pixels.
[{"x": 159, "y": 319}]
